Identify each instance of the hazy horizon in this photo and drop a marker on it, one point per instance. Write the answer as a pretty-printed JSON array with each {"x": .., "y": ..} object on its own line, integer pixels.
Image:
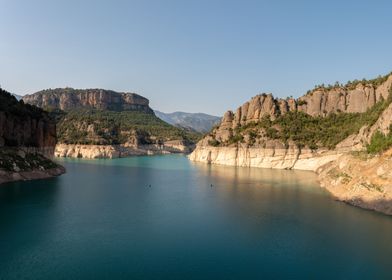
[{"x": 193, "y": 56}]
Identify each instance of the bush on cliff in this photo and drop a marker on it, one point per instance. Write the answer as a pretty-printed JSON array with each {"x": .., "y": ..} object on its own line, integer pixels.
[
  {"x": 9, "y": 104},
  {"x": 379, "y": 142},
  {"x": 313, "y": 132}
]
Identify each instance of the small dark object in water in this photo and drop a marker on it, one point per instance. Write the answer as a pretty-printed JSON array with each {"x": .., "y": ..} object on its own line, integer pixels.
[
  {"x": 211, "y": 185},
  {"x": 149, "y": 186}
]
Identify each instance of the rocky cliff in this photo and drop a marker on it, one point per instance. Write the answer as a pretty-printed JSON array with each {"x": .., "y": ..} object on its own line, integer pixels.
[
  {"x": 305, "y": 133},
  {"x": 100, "y": 99},
  {"x": 23, "y": 125},
  {"x": 118, "y": 151},
  {"x": 27, "y": 138},
  {"x": 280, "y": 124},
  {"x": 100, "y": 123},
  {"x": 360, "y": 180}
]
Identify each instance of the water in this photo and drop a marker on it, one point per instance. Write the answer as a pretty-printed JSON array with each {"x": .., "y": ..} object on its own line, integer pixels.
[{"x": 102, "y": 220}]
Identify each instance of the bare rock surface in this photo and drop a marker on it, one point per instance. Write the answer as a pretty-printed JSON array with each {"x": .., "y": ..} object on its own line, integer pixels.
[
  {"x": 232, "y": 143},
  {"x": 71, "y": 99}
]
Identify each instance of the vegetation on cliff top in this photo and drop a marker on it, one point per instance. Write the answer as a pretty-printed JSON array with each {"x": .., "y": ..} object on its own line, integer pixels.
[
  {"x": 350, "y": 85},
  {"x": 9, "y": 104},
  {"x": 305, "y": 130},
  {"x": 111, "y": 128}
]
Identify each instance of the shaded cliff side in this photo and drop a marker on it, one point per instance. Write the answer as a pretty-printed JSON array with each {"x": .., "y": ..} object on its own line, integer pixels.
[{"x": 27, "y": 139}]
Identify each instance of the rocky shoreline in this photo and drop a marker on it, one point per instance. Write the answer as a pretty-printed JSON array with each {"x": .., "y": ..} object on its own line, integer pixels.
[
  {"x": 360, "y": 180},
  {"x": 118, "y": 151},
  {"x": 351, "y": 177},
  {"x": 275, "y": 156},
  {"x": 21, "y": 164},
  {"x": 6, "y": 176}
]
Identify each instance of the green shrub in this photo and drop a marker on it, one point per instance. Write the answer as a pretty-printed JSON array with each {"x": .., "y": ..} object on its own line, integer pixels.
[
  {"x": 313, "y": 132},
  {"x": 213, "y": 143},
  {"x": 112, "y": 127},
  {"x": 379, "y": 143}
]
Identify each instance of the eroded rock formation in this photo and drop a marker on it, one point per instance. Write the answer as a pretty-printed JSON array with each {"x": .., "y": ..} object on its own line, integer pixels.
[{"x": 250, "y": 137}]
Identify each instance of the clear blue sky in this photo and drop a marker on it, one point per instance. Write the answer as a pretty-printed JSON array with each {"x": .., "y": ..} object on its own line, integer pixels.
[{"x": 196, "y": 56}]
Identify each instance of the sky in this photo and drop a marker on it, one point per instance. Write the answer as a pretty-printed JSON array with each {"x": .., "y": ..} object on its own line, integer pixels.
[{"x": 194, "y": 56}]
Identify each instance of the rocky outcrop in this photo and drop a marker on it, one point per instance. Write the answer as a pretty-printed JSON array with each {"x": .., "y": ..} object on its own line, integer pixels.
[
  {"x": 17, "y": 164},
  {"x": 117, "y": 151},
  {"x": 70, "y": 99},
  {"x": 27, "y": 141},
  {"x": 352, "y": 98},
  {"x": 110, "y": 122},
  {"x": 274, "y": 155},
  {"x": 27, "y": 126},
  {"x": 32, "y": 129},
  {"x": 319, "y": 102},
  {"x": 360, "y": 180},
  {"x": 250, "y": 137}
]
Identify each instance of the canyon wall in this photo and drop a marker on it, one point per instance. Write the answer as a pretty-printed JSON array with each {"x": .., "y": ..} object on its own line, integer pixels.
[
  {"x": 272, "y": 153},
  {"x": 70, "y": 99},
  {"x": 27, "y": 141}
]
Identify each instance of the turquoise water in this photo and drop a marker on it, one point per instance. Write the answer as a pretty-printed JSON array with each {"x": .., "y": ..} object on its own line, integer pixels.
[{"x": 102, "y": 220}]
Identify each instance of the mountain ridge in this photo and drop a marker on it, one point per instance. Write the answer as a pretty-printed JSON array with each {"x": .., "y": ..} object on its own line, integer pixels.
[{"x": 199, "y": 122}]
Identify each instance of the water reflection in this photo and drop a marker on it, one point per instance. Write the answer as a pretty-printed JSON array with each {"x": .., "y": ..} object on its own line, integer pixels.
[{"x": 102, "y": 220}]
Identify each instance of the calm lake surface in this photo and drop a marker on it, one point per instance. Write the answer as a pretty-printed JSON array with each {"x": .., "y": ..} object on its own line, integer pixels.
[{"x": 102, "y": 220}]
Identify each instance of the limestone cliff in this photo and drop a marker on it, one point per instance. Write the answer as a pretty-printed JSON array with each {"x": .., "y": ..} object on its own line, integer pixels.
[
  {"x": 308, "y": 133},
  {"x": 117, "y": 151},
  {"x": 27, "y": 139},
  {"x": 324, "y": 121},
  {"x": 95, "y": 123},
  {"x": 100, "y": 99}
]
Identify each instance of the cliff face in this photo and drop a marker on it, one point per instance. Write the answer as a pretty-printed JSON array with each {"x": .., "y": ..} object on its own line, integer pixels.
[
  {"x": 117, "y": 151},
  {"x": 27, "y": 138},
  {"x": 321, "y": 102},
  {"x": 95, "y": 123},
  {"x": 318, "y": 102},
  {"x": 71, "y": 99},
  {"x": 317, "y": 132},
  {"x": 23, "y": 125}
]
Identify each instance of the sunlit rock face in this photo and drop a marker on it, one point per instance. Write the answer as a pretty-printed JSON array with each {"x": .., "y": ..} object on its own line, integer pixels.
[
  {"x": 70, "y": 99},
  {"x": 273, "y": 153}
]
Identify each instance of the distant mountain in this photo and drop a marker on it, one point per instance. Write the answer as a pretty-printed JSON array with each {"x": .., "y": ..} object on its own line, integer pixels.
[
  {"x": 18, "y": 97},
  {"x": 199, "y": 122}
]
